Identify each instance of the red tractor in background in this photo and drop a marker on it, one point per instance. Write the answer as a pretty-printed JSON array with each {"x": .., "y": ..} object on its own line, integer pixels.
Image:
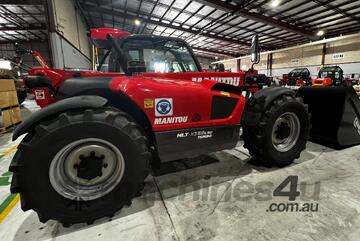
[
  {"x": 297, "y": 77},
  {"x": 88, "y": 152},
  {"x": 329, "y": 76}
]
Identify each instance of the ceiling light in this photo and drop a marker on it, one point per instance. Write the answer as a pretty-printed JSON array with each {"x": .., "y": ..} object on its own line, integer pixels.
[
  {"x": 216, "y": 57},
  {"x": 275, "y": 3},
  {"x": 137, "y": 22},
  {"x": 320, "y": 33}
]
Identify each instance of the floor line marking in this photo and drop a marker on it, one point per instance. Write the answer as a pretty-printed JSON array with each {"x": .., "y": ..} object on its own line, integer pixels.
[
  {"x": 8, "y": 205},
  {"x": 8, "y": 151}
]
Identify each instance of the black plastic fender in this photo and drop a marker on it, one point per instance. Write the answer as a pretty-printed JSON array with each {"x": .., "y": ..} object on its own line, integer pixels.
[
  {"x": 73, "y": 103},
  {"x": 38, "y": 81},
  {"x": 259, "y": 102}
]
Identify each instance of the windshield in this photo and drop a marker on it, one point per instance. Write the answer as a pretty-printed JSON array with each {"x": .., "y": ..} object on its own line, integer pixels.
[
  {"x": 295, "y": 73},
  {"x": 330, "y": 74},
  {"x": 160, "y": 55},
  {"x": 299, "y": 73}
]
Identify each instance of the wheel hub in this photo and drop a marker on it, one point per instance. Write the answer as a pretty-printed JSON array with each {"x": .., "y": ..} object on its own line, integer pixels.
[
  {"x": 90, "y": 167},
  {"x": 283, "y": 130},
  {"x": 86, "y": 169}
]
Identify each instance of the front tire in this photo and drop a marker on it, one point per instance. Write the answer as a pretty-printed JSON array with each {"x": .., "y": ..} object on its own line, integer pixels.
[
  {"x": 81, "y": 166},
  {"x": 281, "y": 134}
]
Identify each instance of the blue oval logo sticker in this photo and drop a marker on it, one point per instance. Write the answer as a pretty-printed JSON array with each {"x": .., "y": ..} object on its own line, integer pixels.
[{"x": 163, "y": 107}]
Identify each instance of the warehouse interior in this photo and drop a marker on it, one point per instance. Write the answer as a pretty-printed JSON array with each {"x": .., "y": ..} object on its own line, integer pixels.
[{"x": 243, "y": 115}]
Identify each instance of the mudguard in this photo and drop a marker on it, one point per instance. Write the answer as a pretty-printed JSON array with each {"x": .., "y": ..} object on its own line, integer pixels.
[
  {"x": 73, "y": 103},
  {"x": 38, "y": 81},
  {"x": 260, "y": 101},
  {"x": 335, "y": 115}
]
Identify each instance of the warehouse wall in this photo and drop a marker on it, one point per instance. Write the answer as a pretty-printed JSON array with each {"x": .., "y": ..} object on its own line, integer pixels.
[
  {"x": 70, "y": 44},
  {"x": 345, "y": 53},
  {"x": 66, "y": 55}
]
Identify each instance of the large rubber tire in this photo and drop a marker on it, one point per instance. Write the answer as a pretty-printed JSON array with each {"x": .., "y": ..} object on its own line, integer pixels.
[
  {"x": 258, "y": 138},
  {"x": 31, "y": 163}
]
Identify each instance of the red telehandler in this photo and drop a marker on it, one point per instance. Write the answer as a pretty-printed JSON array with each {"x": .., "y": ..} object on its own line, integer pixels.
[
  {"x": 86, "y": 154},
  {"x": 297, "y": 77}
]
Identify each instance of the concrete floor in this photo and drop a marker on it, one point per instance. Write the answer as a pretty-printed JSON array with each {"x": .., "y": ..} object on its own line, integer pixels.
[{"x": 223, "y": 196}]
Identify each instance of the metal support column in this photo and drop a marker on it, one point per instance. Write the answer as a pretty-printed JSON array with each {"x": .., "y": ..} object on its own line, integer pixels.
[
  {"x": 323, "y": 55},
  {"x": 269, "y": 64}
]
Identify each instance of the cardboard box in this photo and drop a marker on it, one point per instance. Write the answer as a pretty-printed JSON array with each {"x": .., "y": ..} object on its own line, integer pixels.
[
  {"x": 10, "y": 117},
  {"x": 7, "y": 85},
  {"x": 8, "y": 98}
]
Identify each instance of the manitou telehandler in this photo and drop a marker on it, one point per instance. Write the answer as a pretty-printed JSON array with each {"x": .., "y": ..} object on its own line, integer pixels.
[
  {"x": 329, "y": 76},
  {"x": 88, "y": 152},
  {"x": 297, "y": 77}
]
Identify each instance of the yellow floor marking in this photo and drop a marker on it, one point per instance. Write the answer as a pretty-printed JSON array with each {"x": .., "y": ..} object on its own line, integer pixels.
[
  {"x": 9, "y": 207},
  {"x": 10, "y": 150}
]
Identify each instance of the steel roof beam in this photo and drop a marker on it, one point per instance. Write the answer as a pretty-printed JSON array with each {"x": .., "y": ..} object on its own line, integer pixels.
[
  {"x": 149, "y": 16},
  {"x": 203, "y": 18},
  {"x": 304, "y": 11},
  {"x": 336, "y": 10},
  {"x": 309, "y": 15},
  {"x": 216, "y": 23},
  {"x": 89, "y": 22},
  {"x": 24, "y": 28},
  {"x": 341, "y": 17},
  {"x": 158, "y": 23},
  {"x": 21, "y": 2},
  {"x": 215, "y": 51},
  {"x": 257, "y": 17},
  {"x": 192, "y": 15},
  {"x": 30, "y": 14},
  {"x": 180, "y": 12},
  {"x": 125, "y": 15},
  {"x": 333, "y": 20},
  {"x": 7, "y": 39}
]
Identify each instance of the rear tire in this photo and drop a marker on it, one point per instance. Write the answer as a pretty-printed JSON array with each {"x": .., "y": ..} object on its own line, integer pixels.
[
  {"x": 78, "y": 199},
  {"x": 281, "y": 134}
]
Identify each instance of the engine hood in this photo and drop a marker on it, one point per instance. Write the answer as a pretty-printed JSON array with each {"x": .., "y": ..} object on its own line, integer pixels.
[{"x": 179, "y": 80}]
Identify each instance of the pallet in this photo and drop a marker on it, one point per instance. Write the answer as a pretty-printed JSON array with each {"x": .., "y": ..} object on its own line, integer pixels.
[{"x": 4, "y": 130}]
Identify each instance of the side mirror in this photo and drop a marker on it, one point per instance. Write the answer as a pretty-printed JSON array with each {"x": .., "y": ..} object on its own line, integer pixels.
[{"x": 255, "y": 50}]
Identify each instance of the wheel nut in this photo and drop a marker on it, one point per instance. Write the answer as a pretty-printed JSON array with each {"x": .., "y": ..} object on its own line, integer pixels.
[
  {"x": 105, "y": 165},
  {"x": 76, "y": 166}
]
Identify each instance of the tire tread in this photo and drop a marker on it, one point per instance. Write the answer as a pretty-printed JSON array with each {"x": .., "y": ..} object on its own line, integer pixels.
[{"x": 110, "y": 116}]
